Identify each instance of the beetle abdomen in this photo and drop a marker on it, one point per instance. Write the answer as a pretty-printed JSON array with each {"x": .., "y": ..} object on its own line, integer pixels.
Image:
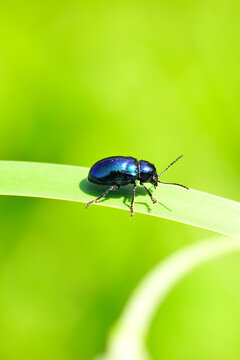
[{"x": 115, "y": 170}]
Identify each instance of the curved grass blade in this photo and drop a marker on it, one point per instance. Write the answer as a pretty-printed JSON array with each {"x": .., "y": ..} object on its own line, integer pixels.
[
  {"x": 69, "y": 183},
  {"x": 127, "y": 339}
]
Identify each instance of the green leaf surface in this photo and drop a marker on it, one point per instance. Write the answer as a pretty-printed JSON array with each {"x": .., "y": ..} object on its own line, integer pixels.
[{"x": 70, "y": 183}]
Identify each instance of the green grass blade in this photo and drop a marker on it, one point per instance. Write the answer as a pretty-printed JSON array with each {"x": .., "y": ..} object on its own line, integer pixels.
[
  {"x": 127, "y": 338},
  {"x": 69, "y": 183}
]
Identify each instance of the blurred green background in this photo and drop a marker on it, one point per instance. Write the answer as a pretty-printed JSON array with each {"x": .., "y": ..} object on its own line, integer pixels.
[{"x": 82, "y": 81}]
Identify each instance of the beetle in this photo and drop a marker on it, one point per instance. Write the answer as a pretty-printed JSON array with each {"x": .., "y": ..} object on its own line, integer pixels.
[{"x": 117, "y": 171}]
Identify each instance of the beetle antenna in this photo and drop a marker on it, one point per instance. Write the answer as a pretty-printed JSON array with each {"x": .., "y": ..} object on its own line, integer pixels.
[
  {"x": 162, "y": 182},
  {"x": 170, "y": 165}
]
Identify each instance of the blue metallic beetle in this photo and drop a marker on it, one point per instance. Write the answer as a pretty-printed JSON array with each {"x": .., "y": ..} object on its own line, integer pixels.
[{"x": 118, "y": 171}]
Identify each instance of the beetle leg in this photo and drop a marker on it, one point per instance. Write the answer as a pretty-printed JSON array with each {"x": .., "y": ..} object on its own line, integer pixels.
[
  {"x": 113, "y": 187},
  {"x": 133, "y": 198},
  {"x": 149, "y": 193}
]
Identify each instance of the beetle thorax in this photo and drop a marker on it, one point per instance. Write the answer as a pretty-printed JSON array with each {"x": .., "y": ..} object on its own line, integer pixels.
[{"x": 147, "y": 172}]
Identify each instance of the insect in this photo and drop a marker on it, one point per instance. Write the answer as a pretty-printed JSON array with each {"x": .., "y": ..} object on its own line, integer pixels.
[{"x": 117, "y": 171}]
